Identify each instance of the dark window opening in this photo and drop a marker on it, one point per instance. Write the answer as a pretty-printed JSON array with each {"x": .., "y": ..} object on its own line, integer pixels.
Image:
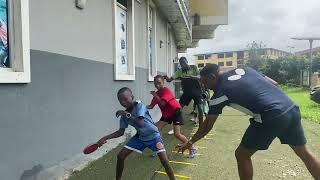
[
  {"x": 221, "y": 63},
  {"x": 123, "y": 3},
  {"x": 229, "y": 63},
  {"x": 200, "y": 65},
  {"x": 229, "y": 54},
  {"x": 221, "y": 55}
]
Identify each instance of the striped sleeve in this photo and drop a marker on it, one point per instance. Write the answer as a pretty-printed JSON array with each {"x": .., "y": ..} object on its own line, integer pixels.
[{"x": 217, "y": 103}]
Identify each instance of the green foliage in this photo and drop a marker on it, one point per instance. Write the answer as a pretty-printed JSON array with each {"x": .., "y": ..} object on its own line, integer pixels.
[
  {"x": 309, "y": 109},
  {"x": 284, "y": 69}
]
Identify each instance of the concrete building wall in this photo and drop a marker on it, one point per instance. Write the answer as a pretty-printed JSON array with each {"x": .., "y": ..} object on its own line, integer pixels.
[
  {"x": 71, "y": 99},
  {"x": 214, "y": 59}
]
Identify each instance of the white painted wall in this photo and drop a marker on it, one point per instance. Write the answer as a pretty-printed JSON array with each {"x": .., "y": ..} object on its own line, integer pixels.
[{"x": 58, "y": 27}]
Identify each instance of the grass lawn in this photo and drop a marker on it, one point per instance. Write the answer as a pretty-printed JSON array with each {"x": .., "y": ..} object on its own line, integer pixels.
[
  {"x": 309, "y": 109},
  {"x": 216, "y": 160},
  {"x": 216, "y": 156}
]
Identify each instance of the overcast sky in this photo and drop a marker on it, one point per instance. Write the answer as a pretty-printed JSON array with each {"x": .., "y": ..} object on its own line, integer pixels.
[{"x": 270, "y": 21}]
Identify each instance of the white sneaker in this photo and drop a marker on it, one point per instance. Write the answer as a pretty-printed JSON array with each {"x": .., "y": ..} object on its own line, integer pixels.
[
  {"x": 192, "y": 119},
  {"x": 171, "y": 132}
]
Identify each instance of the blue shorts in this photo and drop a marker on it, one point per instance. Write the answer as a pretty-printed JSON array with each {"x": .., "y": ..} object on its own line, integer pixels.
[{"x": 137, "y": 145}]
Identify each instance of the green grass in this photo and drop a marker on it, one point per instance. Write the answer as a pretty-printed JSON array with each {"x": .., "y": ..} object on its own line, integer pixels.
[
  {"x": 217, "y": 160},
  {"x": 309, "y": 109}
]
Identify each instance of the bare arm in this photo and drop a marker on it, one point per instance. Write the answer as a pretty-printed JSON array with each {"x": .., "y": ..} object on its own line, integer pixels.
[
  {"x": 113, "y": 135},
  {"x": 160, "y": 101},
  {"x": 150, "y": 106},
  {"x": 205, "y": 128}
]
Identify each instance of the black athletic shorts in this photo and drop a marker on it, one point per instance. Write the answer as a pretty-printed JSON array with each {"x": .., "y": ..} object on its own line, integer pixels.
[
  {"x": 185, "y": 99},
  {"x": 287, "y": 128},
  {"x": 176, "y": 118}
]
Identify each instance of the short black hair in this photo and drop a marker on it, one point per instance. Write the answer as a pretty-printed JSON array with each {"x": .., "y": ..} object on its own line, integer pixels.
[
  {"x": 158, "y": 77},
  {"x": 122, "y": 90},
  {"x": 210, "y": 69}
]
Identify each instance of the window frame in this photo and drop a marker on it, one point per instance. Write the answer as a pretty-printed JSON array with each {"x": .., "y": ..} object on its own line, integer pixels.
[
  {"x": 228, "y": 54},
  {"x": 221, "y": 63},
  {"x": 169, "y": 49},
  {"x": 220, "y": 57},
  {"x": 150, "y": 4},
  {"x": 202, "y": 58},
  {"x": 229, "y": 62},
  {"x": 130, "y": 76},
  {"x": 19, "y": 43}
]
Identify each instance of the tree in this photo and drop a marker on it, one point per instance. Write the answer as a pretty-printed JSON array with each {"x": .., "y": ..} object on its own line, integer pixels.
[
  {"x": 284, "y": 69},
  {"x": 255, "y": 58}
]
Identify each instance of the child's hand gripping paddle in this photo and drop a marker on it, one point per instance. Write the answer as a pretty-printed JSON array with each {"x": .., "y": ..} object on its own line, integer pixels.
[{"x": 93, "y": 147}]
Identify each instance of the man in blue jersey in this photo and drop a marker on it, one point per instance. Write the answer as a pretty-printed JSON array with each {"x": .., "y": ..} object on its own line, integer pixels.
[{"x": 273, "y": 115}]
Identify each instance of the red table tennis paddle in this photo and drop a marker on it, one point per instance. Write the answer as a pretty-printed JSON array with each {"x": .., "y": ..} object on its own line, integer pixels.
[{"x": 91, "y": 148}]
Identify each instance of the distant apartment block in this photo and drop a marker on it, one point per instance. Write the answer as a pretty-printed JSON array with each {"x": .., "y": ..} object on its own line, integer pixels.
[
  {"x": 315, "y": 51},
  {"x": 235, "y": 58}
]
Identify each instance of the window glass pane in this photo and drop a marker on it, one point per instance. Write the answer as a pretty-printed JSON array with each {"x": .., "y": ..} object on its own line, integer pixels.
[
  {"x": 151, "y": 39},
  {"x": 229, "y": 63},
  {"x": 123, "y": 3},
  {"x": 122, "y": 41},
  {"x": 207, "y": 56},
  {"x": 229, "y": 54},
  {"x": 4, "y": 46},
  {"x": 240, "y": 55},
  {"x": 200, "y": 57},
  {"x": 221, "y": 55},
  {"x": 200, "y": 65},
  {"x": 221, "y": 63}
]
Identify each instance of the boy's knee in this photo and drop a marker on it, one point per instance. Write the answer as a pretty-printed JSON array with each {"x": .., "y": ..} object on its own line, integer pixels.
[
  {"x": 301, "y": 151},
  {"x": 241, "y": 154},
  {"x": 176, "y": 134}
]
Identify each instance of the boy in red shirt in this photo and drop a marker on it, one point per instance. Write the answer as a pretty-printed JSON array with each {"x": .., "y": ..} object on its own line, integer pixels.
[{"x": 171, "y": 110}]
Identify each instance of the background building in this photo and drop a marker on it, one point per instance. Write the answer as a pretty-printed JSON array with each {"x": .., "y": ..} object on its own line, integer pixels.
[{"x": 233, "y": 59}]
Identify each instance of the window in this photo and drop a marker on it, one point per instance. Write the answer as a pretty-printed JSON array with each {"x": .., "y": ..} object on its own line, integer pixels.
[
  {"x": 152, "y": 41},
  {"x": 207, "y": 56},
  {"x": 201, "y": 57},
  {"x": 14, "y": 41},
  {"x": 4, "y": 46},
  {"x": 200, "y": 65},
  {"x": 169, "y": 50},
  {"x": 221, "y": 55},
  {"x": 124, "y": 3},
  {"x": 240, "y": 55},
  {"x": 229, "y": 63},
  {"x": 221, "y": 63},
  {"x": 229, "y": 54},
  {"x": 124, "y": 65}
]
